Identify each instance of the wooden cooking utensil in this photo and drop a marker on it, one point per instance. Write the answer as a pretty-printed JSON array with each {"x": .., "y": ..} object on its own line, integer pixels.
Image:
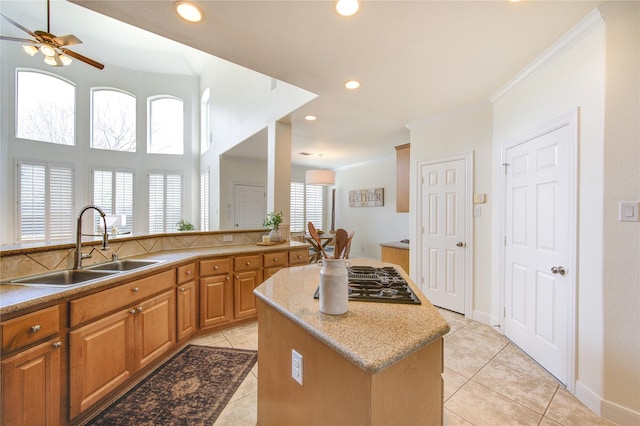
[
  {"x": 340, "y": 243},
  {"x": 316, "y": 238}
]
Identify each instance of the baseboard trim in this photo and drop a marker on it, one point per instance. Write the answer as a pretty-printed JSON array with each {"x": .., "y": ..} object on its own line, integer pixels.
[
  {"x": 606, "y": 409},
  {"x": 488, "y": 319}
]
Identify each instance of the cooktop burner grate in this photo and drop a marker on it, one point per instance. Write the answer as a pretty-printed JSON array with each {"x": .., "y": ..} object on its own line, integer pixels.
[{"x": 371, "y": 284}]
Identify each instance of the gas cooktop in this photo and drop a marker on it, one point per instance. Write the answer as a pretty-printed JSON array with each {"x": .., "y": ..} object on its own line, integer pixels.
[{"x": 385, "y": 284}]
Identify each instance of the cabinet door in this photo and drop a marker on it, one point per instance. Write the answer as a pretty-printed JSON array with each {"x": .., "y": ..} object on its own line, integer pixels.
[
  {"x": 186, "y": 310},
  {"x": 31, "y": 386},
  {"x": 269, "y": 272},
  {"x": 155, "y": 327},
  {"x": 101, "y": 359},
  {"x": 244, "y": 302},
  {"x": 215, "y": 301}
]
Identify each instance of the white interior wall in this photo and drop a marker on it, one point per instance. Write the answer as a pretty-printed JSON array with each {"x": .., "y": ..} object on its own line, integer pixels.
[
  {"x": 608, "y": 353},
  {"x": 141, "y": 85},
  {"x": 373, "y": 225},
  {"x": 234, "y": 170},
  {"x": 464, "y": 130}
]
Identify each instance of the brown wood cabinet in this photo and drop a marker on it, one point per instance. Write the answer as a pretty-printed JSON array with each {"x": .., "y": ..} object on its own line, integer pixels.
[
  {"x": 105, "y": 353},
  {"x": 273, "y": 262},
  {"x": 299, "y": 257},
  {"x": 397, "y": 255},
  {"x": 216, "y": 294},
  {"x": 186, "y": 302},
  {"x": 31, "y": 384},
  {"x": 247, "y": 276},
  {"x": 403, "y": 166}
]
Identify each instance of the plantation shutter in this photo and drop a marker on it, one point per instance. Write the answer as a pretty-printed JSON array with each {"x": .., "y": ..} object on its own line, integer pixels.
[
  {"x": 165, "y": 202},
  {"x": 156, "y": 203},
  {"x": 60, "y": 203},
  {"x": 314, "y": 205},
  {"x": 32, "y": 202},
  {"x": 204, "y": 201},
  {"x": 174, "y": 202},
  {"x": 124, "y": 199}
]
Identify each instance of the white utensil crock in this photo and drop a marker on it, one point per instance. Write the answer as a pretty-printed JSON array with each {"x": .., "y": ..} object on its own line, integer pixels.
[{"x": 334, "y": 286}]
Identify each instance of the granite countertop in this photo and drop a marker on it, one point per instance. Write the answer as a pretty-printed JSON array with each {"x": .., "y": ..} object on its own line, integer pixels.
[
  {"x": 18, "y": 298},
  {"x": 372, "y": 335},
  {"x": 396, "y": 244}
]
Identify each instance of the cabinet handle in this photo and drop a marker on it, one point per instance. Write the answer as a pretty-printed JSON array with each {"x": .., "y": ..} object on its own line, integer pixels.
[
  {"x": 299, "y": 256},
  {"x": 248, "y": 263},
  {"x": 57, "y": 345},
  {"x": 189, "y": 272},
  {"x": 227, "y": 278},
  {"x": 132, "y": 311},
  {"x": 135, "y": 289},
  {"x": 215, "y": 268},
  {"x": 35, "y": 328},
  {"x": 182, "y": 289},
  {"x": 275, "y": 259},
  {"x": 139, "y": 309}
]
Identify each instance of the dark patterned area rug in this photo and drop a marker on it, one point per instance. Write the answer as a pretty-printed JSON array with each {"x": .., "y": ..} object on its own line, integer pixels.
[{"x": 191, "y": 388}]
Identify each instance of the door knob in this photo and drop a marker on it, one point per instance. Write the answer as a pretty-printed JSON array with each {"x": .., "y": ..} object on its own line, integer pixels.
[
  {"x": 460, "y": 244},
  {"x": 558, "y": 270}
]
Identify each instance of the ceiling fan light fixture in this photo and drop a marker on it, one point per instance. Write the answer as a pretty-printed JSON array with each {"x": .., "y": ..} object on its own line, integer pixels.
[
  {"x": 51, "y": 60},
  {"x": 30, "y": 49},
  {"x": 189, "y": 11},
  {"x": 47, "y": 50},
  {"x": 347, "y": 7},
  {"x": 65, "y": 60}
]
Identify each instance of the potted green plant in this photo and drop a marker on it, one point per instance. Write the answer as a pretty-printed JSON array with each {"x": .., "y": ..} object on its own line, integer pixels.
[
  {"x": 273, "y": 221},
  {"x": 185, "y": 225}
]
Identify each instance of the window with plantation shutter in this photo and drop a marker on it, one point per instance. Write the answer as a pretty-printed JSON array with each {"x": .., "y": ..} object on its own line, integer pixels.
[
  {"x": 204, "y": 200},
  {"x": 307, "y": 205},
  {"x": 165, "y": 202},
  {"x": 113, "y": 193},
  {"x": 45, "y": 201},
  {"x": 296, "y": 209}
]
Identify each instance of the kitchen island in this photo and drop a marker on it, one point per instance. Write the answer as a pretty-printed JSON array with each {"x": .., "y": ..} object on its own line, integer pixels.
[{"x": 377, "y": 364}]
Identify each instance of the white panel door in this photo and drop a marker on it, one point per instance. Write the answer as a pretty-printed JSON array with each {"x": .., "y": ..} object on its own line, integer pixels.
[
  {"x": 443, "y": 239},
  {"x": 537, "y": 220},
  {"x": 249, "y": 206}
]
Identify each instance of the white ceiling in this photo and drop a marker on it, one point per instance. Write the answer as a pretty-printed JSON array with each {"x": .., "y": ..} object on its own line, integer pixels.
[{"x": 415, "y": 59}]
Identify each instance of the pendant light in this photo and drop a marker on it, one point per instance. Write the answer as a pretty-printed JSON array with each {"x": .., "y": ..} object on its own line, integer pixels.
[{"x": 320, "y": 177}]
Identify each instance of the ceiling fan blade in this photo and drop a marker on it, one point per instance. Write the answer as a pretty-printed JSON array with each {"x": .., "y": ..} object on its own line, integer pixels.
[
  {"x": 66, "y": 40},
  {"x": 21, "y": 40},
  {"x": 82, "y": 58},
  {"x": 18, "y": 25}
]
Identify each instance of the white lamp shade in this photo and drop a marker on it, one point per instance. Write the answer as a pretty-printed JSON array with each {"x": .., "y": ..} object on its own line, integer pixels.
[{"x": 320, "y": 177}]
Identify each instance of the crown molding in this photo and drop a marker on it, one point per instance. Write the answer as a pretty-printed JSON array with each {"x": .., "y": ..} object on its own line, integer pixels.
[{"x": 582, "y": 29}]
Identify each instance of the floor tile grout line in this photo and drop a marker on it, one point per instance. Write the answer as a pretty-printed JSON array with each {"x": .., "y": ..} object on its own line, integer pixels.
[{"x": 549, "y": 405}]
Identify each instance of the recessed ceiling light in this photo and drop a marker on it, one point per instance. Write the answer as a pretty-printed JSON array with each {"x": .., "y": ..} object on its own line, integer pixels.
[
  {"x": 347, "y": 7},
  {"x": 310, "y": 117},
  {"x": 352, "y": 84},
  {"x": 189, "y": 11}
]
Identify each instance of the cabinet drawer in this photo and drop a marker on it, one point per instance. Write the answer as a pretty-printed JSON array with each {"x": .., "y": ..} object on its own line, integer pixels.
[
  {"x": 186, "y": 273},
  {"x": 246, "y": 263},
  {"x": 275, "y": 259},
  {"x": 215, "y": 266},
  {"x": 93, "y": 306},
  {"x": 30, "y": 328},
  {"x": 299, "y": 257}
]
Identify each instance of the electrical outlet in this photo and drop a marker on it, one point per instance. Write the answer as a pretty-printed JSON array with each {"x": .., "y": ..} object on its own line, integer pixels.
[
  {"x": 296, "y": 366},
  {"x": 227, "y": 238}
]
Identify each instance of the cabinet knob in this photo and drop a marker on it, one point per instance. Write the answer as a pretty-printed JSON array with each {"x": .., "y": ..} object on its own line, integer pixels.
[
  {"x": 248, "y": 263},
  {"x": 182, "y": 289},
  {"x": 189, "y": 272},
  {"x": 132, "y": 311},
  {"x": 275, "y": 259},
  {"x": 299, "y": 256},
  {"x": 57, "y": 345},
  {"x": 227, "y": 278},
  {"x": 215, "y": 268},
  {"x": 135, "y": 289},
  {"x": 35, "y": 328},
  {"x": 139, "y": 309}
]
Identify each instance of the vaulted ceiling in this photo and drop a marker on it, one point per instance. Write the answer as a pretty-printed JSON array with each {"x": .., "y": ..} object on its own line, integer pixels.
[{"x": 415, "y": 59}]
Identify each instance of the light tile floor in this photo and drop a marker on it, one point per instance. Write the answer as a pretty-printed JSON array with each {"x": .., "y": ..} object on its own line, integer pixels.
[{"x": 487, "y": 381}]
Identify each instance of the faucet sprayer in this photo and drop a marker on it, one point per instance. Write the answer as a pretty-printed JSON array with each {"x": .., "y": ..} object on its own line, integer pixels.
[{"x": 77, "y": 263}]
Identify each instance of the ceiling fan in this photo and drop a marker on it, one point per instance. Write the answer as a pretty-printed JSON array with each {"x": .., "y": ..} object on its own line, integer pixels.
[{"x": 52, "y": 47}]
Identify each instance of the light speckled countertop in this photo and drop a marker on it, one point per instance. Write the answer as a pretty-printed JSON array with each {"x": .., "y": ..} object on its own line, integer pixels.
[
  {"x": 18, "y": 298},
  {"x": 372, "y": 335}
]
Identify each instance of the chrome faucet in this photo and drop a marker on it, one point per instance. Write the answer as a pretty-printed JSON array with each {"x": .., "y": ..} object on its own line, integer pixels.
[{"x": 77, "y": 261}]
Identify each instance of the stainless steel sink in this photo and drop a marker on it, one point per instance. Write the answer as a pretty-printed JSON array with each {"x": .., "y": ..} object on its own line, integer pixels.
[
  {"x": 65, "y": 278},
  {"x": 122, "y": 265}
]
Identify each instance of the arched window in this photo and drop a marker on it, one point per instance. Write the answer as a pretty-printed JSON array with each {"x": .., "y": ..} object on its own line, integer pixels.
[
  {"x": 45, "y": 108},
  {"x": 166, "y": 118},
  {"x": 113, "y": 120}
]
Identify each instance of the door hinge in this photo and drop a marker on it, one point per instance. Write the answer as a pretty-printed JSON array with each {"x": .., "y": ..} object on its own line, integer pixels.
[{"x": 505, "y": 167}]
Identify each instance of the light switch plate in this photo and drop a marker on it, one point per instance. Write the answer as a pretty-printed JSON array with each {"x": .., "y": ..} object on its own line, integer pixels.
[{"x": 629, "y": 211}]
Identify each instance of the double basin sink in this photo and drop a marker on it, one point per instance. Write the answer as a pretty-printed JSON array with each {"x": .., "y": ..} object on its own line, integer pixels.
[{"x": 72, "y": 277}]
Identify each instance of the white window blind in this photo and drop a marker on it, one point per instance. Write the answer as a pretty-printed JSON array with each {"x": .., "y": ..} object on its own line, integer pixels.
[
  {"x": 307, "y": 205},
  {"x": 296, "y": 209},
  {"x": 45, "y": 201},
  {"x": 204, "y": 200},
  {"x": 165, "y": 202},
  {"x": 113, "y": 193}
]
